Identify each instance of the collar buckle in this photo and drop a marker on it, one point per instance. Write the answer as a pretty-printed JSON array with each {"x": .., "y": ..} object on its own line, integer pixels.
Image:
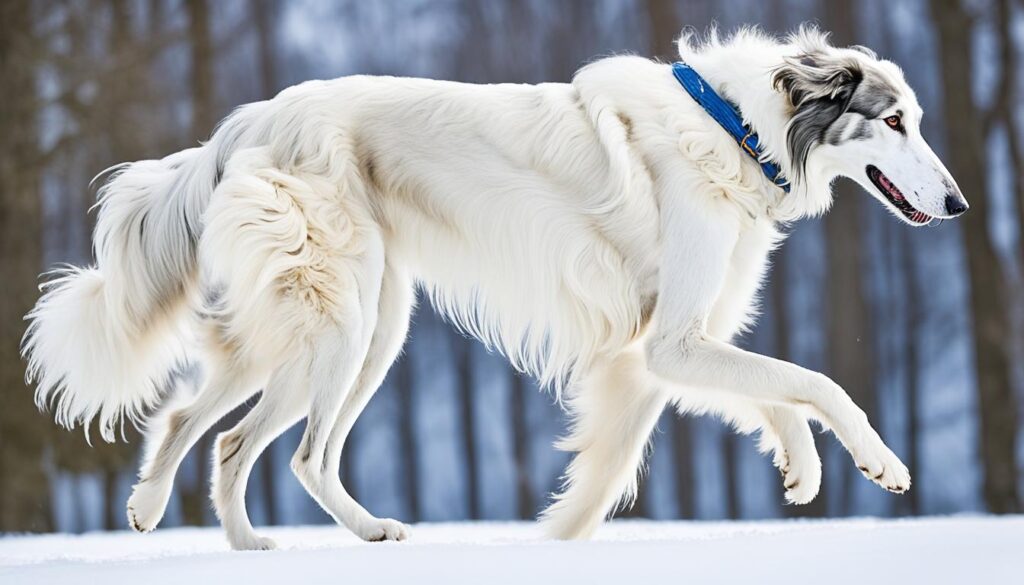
[{"x": 729, "y": 118}]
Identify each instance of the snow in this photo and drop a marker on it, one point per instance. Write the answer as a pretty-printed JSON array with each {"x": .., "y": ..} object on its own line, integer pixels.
[{"x": 934, "y": 550}]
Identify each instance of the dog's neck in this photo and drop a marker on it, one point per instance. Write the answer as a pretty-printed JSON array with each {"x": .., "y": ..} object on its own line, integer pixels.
[{"x": 742, "y": 73}]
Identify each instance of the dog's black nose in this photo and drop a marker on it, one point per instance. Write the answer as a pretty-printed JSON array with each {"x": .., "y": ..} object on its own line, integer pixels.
[{"x": 955, "y": 204}]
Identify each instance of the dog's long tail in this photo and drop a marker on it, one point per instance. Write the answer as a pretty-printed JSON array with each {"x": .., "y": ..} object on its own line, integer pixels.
[{"x": 103, "y": 340}]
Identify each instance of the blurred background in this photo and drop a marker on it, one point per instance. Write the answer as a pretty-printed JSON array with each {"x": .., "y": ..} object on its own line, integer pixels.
[{"x": 923, "y": 327}]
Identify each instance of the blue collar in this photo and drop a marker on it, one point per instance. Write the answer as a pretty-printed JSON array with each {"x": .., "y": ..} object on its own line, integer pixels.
[{"x": 729, "y": 118}]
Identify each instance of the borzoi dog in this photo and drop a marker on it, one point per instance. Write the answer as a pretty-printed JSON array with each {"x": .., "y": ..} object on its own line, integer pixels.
[{"x": 608, "y": 236}]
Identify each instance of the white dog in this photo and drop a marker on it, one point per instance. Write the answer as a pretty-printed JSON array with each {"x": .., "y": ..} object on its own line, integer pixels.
[{"x": 609, "y": 236}]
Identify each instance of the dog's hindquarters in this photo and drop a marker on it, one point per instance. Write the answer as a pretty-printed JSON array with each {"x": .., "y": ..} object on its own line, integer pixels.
[
  {"x": 250, "y": 253},
  {"x": 284, "y": 401},
  {"x": 293, "y": 266}
]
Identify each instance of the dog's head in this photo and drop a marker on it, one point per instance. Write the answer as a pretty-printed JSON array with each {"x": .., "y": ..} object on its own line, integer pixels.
[{"x": 854, "y": 115}]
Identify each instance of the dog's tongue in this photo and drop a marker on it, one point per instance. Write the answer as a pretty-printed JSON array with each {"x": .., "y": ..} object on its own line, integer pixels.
[{"x": 893, "y": 191}]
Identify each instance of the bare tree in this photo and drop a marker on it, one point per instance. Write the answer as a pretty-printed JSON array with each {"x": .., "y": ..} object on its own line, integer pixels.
[
  {"x": 403, "y": 380},
  {"x": 991, "y": 337},
  {"x": 265, "y": 13},
  {"x": 1006, "y": 103},
  {"x": 522, "y": 384},
  {"x": 663, "y": 24},
  {"x": 201, "y": 45},
  {"x": 24, "y": 488},
  {"x": 464, "y": 358},
  {"x": 912, "y": 381},
  {"x": 193, "y": 498}
]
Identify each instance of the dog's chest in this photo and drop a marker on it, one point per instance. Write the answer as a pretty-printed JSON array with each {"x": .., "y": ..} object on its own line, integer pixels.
[{"x": 735, "y": 309}]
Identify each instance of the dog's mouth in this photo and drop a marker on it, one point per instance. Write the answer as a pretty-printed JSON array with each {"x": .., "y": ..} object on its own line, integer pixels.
[{"x": 896, "y": 198}]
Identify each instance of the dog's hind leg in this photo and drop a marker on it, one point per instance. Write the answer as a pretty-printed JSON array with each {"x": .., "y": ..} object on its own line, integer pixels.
[
  {"x": 284, "y": 401},
  {"x": 226, "y": 388},
  {"x": 297, "y": 262},
  {"x": 396, "y": 301},
  {"x": 339, "y": 353},
  {"x": 614, "y": 410}
]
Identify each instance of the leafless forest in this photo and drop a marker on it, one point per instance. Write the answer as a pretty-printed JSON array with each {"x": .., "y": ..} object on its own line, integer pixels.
[{"x": 925, "y": 328}]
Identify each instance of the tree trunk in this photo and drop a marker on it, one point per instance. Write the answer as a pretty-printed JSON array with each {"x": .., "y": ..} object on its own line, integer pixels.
[
  {"x": 403, "y": 382},
  {"x": 520, "y": 437},
  {"x": 112, "y": 510},
  {"x": 24, "y": 487},
  {"x": 730, "y": 448},
  {"x": 265, "y": 13},
  {"x": 991, "y": 338},
  {"x": 914, "y": 321},
  {"x": 684, "y": 465},
  {"x": 464, "y": 355},
  {"x": 663, "y": 28},
  {"x": 201, "y": 45},
  {"x": 193, "y": 498},
  {"x": 1005, "y": 104}
]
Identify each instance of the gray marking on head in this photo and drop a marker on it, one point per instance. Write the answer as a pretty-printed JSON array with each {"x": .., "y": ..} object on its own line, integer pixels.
[
  {"x": 829, "y": 92},
  {"x": 873, "y": 97},
  {"x": 865, "y": 50},
  {"x": 820, "y": 88},
  {"x": 863, "y": 131},
  {"x": 834, "y": 133}
]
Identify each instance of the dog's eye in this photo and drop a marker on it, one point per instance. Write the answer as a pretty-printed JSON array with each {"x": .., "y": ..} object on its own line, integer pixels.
[{"x": 895, "y": 122}]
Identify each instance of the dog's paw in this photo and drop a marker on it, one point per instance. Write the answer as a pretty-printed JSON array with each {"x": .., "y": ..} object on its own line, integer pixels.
[
  {"x": 801, "y": 489},
  {"x": 252, "y": 542},
  {"x": 381, "y": 529},
  {"x": 801, "y": 476},
  {"x": 146, "y": 506},
  {"x": 780, "y": 459},
  {"x": 883, "y": 467}
]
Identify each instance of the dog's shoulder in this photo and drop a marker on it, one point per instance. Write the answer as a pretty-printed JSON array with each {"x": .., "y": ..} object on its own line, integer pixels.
[{"x": 626, "y": 79}]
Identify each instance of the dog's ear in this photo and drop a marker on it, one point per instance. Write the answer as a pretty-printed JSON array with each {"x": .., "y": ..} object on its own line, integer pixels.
[
  {"x": 819, "y": 88},
  {"x": 812, "y": 76}
]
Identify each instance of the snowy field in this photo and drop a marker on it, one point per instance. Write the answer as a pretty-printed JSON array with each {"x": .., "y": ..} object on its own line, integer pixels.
[{"x": 937, "y": 550}]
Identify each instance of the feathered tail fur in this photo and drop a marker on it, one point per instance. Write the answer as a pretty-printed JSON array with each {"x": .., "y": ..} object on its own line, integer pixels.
[{"x": 103, "y": 340}]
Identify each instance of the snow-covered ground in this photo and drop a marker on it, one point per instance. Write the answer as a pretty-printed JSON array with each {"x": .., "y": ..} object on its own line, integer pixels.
[{"x": 936, "y": 550}]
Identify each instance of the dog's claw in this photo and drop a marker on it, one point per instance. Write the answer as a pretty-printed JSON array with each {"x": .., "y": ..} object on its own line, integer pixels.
[{"x": 886, "y": 470}]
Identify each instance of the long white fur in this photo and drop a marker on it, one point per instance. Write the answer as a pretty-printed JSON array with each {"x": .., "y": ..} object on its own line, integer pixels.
[{"x": 606, "y": 235}]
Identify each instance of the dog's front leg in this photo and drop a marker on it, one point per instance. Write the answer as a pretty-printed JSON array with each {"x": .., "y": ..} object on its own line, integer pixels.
[{"x": 698, "y": 242}]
